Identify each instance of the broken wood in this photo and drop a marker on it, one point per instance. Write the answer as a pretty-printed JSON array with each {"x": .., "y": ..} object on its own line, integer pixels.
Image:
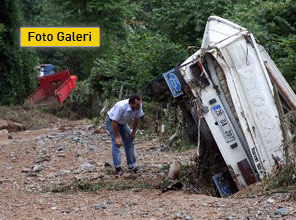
[{"x": 173, "y": 137}]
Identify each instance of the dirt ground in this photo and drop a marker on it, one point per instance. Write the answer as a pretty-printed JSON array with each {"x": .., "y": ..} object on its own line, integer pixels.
[{"x": 40, "y": 171}]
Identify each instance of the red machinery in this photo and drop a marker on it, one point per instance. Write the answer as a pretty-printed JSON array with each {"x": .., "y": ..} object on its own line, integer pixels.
[{"x": 53, "y": 88}]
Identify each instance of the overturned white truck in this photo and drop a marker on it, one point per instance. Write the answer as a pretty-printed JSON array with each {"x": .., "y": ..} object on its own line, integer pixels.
[{"x": 233, "y": 81}]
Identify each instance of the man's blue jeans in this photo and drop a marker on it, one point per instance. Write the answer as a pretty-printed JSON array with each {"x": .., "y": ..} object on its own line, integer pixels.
[{"x": 128, "y": 144}]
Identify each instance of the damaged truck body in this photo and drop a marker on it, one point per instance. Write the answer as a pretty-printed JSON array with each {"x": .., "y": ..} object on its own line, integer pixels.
[{"x": 233, "y": 85}]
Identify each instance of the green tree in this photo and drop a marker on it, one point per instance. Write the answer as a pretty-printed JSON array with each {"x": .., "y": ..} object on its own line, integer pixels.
[
  {"x": 17, "y": 65},
  {"x": 142, "y": 57}
]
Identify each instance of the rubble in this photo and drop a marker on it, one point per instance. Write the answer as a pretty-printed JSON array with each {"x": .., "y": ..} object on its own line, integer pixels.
[{"x": 11, "y": 126}]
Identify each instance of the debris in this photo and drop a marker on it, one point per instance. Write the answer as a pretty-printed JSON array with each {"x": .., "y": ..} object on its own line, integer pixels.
[
  {"x": 179, "y": 216},
  {"x": 26, "y": 169},
  {"x": 107, "y": 164},
  {"x": 270, "y": 201},
  {"x": 100, "y": 131},
  {"x": 175, "y": 169},
  {"x": 89, "y": 127},
  {"x": 4, "y": 132},
  {"x": 88, "y": 166},
  {"x": 99, "y": 206},
  {"x": 82, "y": 152},
  {"x": 11, "y": 126},
  {"x": 38, "y": 168},
  {"x": 175, "y": 186},
  {"x": 282, "y": 211},
  {"x": 61, "y": 173},
  {"x": 62, "y": 129},
  {"x": 129, "y": 176},
  {"x": 41, "y": 158},
  {"x": 93, "y": 148},
  {"x": 61, "y": 148}
]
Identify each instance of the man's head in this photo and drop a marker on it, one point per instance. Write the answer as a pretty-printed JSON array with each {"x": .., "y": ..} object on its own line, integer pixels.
[{"x": 135, "y": 102}]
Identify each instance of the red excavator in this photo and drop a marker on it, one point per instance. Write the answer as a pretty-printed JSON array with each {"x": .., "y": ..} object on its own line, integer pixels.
[{"x": 54, "y": 88}]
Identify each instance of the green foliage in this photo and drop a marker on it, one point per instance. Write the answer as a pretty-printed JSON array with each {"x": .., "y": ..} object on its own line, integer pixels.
[
  {"x": 183, "y": 144},
  {"x": 140, "y": 40},
  {"x": 135, "y": 62},
  {"x": 17, "y": 66},
  {"x": 87, "y": 186},
  {"x": 82, "y": 98},
  {"x": 182, "y": 21}
]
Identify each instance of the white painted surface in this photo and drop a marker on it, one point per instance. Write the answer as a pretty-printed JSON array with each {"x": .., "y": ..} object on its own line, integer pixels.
[{"x": 251, "y": 90}]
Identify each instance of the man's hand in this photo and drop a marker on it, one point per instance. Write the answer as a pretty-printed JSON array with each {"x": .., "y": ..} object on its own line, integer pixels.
[
  {"x": 135, "y": 125},
  {"x": 133, "y": 135},
  {"x": 118, "y": 142}
]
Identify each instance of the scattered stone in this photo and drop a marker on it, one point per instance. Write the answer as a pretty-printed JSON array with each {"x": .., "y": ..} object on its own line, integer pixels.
[
  {"x": 77, "y": 139},
  {"x": 282, "y": 211},
  {"x": 270, "y": 201},
  {"x": 9, "y": 167},
  {"x": 230, "y": 217},
  {"x": 61, "y": 173},
  {"x": 61, "y": 155},
  {"x": 88, "y": 166},
  {"x": 52, "y": 136},
  {"x": 51, "y": 175},
  {"x": 93, "y": 148},
  {"x": 96, "y": 176},
  {"x": 11, "y": 126},
  {"x": 41, "y": 158},
  {"x": 99, "y": 206},
  {"x": 179, "y": 216},
  {"x": 89, "y": 127},
  {"x": 2, "y": 180},
  {"x": 33, "y": 174},
  {"x": 3, "y": 132},
  {"x": 40, "y": 142},
  {"x": 61, "y": 148},
  {"x": 63, "y": 136},
  {"x": 82, "y": 152},
  {"x": 188, "y": 217},
  {"x": 109, "y": 202},
  {"x": 38, "y": 168},
  {"x": 162, "y": 148},
  {"x": 26, "y": 169},
  {"x": 44, "y": 151},
  {"x": 10, "y": 136}
]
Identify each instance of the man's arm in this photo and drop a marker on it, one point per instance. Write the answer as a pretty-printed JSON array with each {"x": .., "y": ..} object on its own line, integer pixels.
[
  {"x": 118, "y": 140},
  {"x": 135, "y": 125}
]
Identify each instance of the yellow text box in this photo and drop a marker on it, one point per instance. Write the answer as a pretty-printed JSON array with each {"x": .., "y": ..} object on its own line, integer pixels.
[{"x": 60, "y": 36}]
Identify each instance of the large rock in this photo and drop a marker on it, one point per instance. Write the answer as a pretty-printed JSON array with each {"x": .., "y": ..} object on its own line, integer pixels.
[{"x": 11, "y": 126}]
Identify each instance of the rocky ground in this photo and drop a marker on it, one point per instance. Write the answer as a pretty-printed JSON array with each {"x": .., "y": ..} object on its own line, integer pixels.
[{"x": 60, "y": 173}]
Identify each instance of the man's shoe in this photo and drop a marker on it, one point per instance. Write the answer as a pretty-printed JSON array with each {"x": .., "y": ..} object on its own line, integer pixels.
[
  {"x": 133, "y": 169},
  {"x": 118, "y": 170}
]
